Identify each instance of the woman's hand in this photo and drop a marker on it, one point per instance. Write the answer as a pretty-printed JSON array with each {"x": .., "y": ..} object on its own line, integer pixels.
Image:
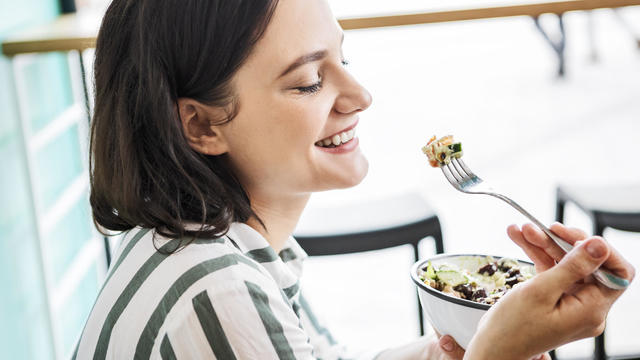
[
  {"x": 444, "y": 348},
  {"x": 430, "y": 347},
  {"x": 562, "y": 303}
]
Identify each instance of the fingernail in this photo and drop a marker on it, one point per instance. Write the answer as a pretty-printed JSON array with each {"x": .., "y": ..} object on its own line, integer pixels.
[
  {"x": 447, "y": 345},
  {"x": 596, "y": 249}
]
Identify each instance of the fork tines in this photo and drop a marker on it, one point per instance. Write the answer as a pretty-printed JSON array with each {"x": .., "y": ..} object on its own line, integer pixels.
[
  {"x": 458, "y": 173},
  {"x": 470, "y": 174}
]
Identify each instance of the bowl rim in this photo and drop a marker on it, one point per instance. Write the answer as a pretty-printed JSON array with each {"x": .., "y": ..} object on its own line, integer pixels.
[{"x": 440, "y": 294}]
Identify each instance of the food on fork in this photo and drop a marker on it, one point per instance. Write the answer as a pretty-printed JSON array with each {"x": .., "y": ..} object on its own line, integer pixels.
[
  {"x": 441, "y": 151},
  {"x": 486, "y": 284}
]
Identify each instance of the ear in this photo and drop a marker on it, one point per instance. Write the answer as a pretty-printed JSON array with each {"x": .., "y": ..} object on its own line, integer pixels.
[{"x": 199, "y": 126}]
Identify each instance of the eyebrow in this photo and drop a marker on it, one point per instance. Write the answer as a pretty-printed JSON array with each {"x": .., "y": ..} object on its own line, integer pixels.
[{"x": 305, "y": 59}]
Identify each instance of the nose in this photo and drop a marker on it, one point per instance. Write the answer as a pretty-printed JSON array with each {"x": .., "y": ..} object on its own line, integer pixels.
[{"x": 353, "y": 97}]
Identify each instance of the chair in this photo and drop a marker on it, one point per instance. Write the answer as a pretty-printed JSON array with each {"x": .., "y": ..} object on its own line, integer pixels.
[
  {"x": 558, "y": 45},
  {"x": 371, "y": 225},
  {"x": 616, "y": 207}
]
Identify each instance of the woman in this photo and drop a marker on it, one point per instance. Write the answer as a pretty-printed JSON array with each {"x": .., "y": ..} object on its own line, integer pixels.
[{"x": 214, "y": 122}]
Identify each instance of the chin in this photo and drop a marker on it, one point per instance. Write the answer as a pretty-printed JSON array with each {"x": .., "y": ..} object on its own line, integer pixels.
[{"x": 355, "y": 176}]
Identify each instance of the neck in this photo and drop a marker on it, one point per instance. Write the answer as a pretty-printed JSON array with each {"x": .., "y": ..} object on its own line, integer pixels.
[{"x": 280, "y": 215}]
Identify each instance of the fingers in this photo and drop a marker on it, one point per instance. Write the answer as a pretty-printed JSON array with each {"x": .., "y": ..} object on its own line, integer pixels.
[
  {"x": 582, "y": 261},
  {"x": 619, "y": 266},
  {"x": 541, "y": 240},
  {"x": 569, "y": 234},
  {"x": 544, "y": 356},
  {"x": 539, "y": 257},
  {"x": 449, "y": 346},
  {"x": 536, "y": 237}
]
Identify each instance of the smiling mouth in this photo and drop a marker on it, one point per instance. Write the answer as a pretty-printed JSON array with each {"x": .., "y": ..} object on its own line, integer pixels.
[{"x": 337, "y": 139}]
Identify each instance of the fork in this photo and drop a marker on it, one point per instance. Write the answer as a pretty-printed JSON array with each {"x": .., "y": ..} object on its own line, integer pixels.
[{"x": 464, "y": 180}]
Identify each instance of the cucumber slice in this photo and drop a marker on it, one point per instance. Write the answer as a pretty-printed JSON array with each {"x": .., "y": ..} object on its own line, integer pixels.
[
  {"x": 455, "y": 148},
  {"x": 452, "y": 277},
  {"x": 430, "y": 273}
]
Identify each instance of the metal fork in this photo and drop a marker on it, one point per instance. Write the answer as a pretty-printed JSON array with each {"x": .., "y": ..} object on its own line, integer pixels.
[{"x": 464, "y": 180}]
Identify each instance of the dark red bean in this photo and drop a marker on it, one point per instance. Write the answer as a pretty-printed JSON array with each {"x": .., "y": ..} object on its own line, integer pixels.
[
  {"x": 513, "y": 272},
  {"x": 512, "y": 281},
  {"x": 504, "y": 268},
  {"x": 465, "y": 289},
  {"x": 490, "y": 269},
  {"x": 479, "y": 294}
]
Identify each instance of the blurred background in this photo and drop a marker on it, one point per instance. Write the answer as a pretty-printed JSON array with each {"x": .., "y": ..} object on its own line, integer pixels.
[{"x": 527, "y": 125}]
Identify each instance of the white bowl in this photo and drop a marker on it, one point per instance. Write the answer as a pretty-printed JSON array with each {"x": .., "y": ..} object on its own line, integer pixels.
[{"x": 447, "y": 314}]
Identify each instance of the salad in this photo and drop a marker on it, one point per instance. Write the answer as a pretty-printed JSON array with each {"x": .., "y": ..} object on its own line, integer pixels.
[
  {"x": 486, "y": 285},
  {"x": 441, "y": 151}
]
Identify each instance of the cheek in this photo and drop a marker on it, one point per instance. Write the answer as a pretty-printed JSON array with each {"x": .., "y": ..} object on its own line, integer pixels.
[
  {"x": 295, "y": 122},
  {"x": 270, "y": 131}
]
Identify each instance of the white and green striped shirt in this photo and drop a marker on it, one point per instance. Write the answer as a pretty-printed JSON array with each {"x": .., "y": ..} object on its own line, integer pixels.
[{"x": 226, "y": 298}]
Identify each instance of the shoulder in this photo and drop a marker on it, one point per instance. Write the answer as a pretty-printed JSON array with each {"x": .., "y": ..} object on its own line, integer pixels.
[{"x": 148, "y": 295}]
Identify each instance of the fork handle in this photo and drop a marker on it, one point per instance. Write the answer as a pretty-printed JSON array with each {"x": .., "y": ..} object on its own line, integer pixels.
[{"x": 603, "y": 275}]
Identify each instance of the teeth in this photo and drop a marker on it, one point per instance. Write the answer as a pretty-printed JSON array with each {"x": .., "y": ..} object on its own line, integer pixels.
[{"x": 337, "y": 139}]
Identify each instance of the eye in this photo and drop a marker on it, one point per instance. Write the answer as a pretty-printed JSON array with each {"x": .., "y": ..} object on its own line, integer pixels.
[
  {"x": 345, "y": 62},
  {"x": 313, "y": 88}
]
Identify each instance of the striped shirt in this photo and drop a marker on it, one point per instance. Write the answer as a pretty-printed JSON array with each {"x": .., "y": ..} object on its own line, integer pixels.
[{"x": 226, "y": 298}]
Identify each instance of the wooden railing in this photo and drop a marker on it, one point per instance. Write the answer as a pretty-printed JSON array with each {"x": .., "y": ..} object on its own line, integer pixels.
[
  {"x": 75, "y": 32},
  {"x": 533, "y": 10}
]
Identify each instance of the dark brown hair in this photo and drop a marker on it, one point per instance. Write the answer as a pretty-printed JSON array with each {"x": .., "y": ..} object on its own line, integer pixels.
[{"x": 149, "y": 53}]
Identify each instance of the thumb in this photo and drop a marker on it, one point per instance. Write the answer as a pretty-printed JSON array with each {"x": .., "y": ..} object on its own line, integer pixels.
[
  {"x": 449, "y": 346},
  {"x": 579, "y": 263}
]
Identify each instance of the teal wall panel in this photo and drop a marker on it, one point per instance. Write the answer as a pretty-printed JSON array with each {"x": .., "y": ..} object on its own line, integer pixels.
[
  {"x": 67, "y": 239},
  {"x": 16, "y": 15},
  {"x": 56, "y": 166},
  {"x": 47, "y": 83},
  {"x": 24, "y": 331},
  {"x": 8, "y": 111}
]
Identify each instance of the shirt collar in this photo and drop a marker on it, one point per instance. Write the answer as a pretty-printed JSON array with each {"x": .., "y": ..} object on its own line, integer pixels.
[
  {"x": 285, "y": 267},
  {"x": 247, "y": 239}
]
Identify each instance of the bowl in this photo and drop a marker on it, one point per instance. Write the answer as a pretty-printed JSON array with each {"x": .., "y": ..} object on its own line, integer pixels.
[{"x": 448, "y": 314}]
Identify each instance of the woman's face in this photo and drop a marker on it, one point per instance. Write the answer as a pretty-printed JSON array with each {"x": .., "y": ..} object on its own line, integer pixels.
[{"x": 294, "y": 93}]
